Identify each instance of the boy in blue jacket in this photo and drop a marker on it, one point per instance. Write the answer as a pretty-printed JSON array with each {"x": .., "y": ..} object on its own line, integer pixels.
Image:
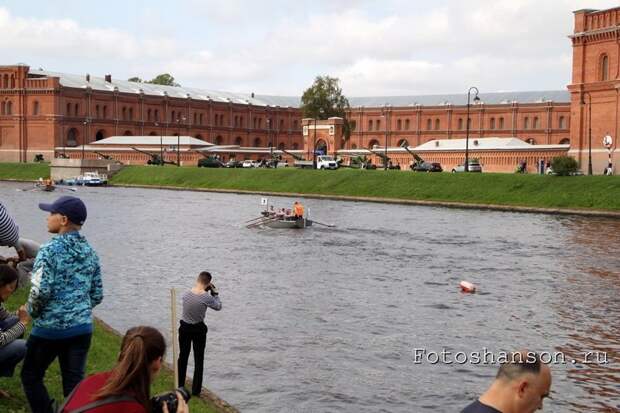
[{"x": 66, "y": 285}]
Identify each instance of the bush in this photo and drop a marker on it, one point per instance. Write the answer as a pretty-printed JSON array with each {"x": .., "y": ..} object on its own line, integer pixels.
[{"x": 564, "y": 165}]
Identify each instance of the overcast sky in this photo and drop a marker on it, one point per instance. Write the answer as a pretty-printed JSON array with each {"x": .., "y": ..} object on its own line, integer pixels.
[{"x": 376, "y": 48}]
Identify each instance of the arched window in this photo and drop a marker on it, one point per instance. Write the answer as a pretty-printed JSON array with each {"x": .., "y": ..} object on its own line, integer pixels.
[
  {"x": 561, "y": 123},
  {"x": 201, "y": 118},
  {"x": 468, "y": 123},
  {"x": 536, "y": 123},
  {"x": 12, "y": 82},
  {"x": 260, "y": 123},
  {"x": 100, "y": 135},
  {"x": 406, "y": 124},
  {"x": 399, "y": 125},
  {"x": 130, "y": 113},
  {"x": 437, "y": 124},
  {"x": 295, "y": 125},
  {"x": 354, "y": 146},
  {"x": 218, "y": 140},
  {"x": 156, "y": 114},
  {"x": 9, "y": 108},
  {"x": 281, "y": 124},
  {"x": 195, "y": 118},
  {"x": 97, "y": 111},
  {"x": 76, "y": 109},
  {"x": 295, "y": 146},
  {"x": 3, "y": 108},
  {"x": 501, "y": 123},
  {"x": 281, "y": 146},
  {"x": 604, "y": 70},
  {"x": 124, "y": 113},
  {"x": 5, "y": 83},
  {"x": 148, "y": 114},
  {"x": 127, "y": 133},
  {"x": 373, "y": 143},
  {"x": 68, "y": 112},
  {"x": 105, "y": 112},
  {"x": 526, "y": 123},
  {"x": 492, "y": 123},
  {"x": 378, "y": 124},
  {"x": 239, "y": 141},
  {"x": 403, "y": 143},
  {"x": 173, "y": 116},
  {"x": 531, "y": 141},
  {"x": 429, "y": 124},
  {"x": 565, "y": 141},
  {"x": 460, "y": 124},
  {"x": 241, "y": 121},
  {"x": 257, "y": 142},
  {"x": 369, "y": 124},
  {"x": 35, "y": 108}
]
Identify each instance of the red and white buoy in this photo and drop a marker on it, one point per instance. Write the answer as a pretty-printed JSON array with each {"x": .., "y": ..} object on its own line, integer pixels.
[{"x": 467, "y": 287}]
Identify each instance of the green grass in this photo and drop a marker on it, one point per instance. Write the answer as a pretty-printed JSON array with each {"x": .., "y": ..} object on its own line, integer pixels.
[
  {"x": 24, "y": 171},
  {"x": 581, "y": 192},
  {"x": 101, "y": 357}
]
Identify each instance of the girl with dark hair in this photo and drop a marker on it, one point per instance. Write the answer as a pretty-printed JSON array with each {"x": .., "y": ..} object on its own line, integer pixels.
[
  {"x": 12, "y": 327},
  {"x": 126, "y": 388}
]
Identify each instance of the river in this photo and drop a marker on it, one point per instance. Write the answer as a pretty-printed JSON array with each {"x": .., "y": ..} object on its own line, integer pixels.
[{"x": 327, "y": 319}]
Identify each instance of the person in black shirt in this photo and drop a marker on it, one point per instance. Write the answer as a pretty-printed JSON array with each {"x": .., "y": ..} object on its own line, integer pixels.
[{"x": 520, "y": 386}]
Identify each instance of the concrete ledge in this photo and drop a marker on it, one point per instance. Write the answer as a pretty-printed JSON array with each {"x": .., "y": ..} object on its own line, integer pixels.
[{"x": 445, "y": 204}]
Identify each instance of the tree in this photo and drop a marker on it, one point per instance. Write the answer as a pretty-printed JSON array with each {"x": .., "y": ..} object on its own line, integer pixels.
[
  {"x": 164, "y": 79},
  {"x": 326, "y": 94},
  {"x": 135, "y": 79},
  {"x": 564, "y": 165}
]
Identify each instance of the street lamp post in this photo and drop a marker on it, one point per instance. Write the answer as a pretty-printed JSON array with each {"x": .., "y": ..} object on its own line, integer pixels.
[
  {"x": 476, "y": 100},
  {"x": 182, "y": 119},
  {"x": 86, "y": 122},
  {"x": 386, "y": 116},
  {"x": 589, "y": 130},
  {"x": 269, "y": 139},
  {"x": 161, "y": 145}
]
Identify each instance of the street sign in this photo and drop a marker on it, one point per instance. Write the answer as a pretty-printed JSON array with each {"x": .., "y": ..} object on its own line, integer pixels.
[
  {"x": 263, "y": 201},
  {"x": 607, "y": 141}
]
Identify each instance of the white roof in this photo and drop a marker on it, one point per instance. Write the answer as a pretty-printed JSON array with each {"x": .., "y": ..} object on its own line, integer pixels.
[
  {"x": 151, "y": 140},
  {"x": 482, "y": 144}
]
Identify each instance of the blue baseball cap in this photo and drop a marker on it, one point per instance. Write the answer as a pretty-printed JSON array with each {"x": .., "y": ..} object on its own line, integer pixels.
[{"x": 69, "y": 206}]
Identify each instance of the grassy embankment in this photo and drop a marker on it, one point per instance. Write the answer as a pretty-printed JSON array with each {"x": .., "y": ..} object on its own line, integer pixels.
[
  {"x": 575, "y": 192},
  {"x": 102, "y": 356},
  {"x": 580, "y": 192}
]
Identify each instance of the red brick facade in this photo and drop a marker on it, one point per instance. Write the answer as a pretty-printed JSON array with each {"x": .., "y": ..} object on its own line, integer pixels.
[{"x": 38, "y": 114}]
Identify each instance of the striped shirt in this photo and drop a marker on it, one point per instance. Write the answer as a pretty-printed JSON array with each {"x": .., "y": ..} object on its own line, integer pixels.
[
  {"x": 9, "y": 231},
  {"x": 195, "y": 306},
  {"x": 9, "y": 335}
]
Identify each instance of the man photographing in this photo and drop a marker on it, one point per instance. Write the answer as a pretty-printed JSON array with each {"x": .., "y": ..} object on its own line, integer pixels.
[{"x": 193, "y": 330}]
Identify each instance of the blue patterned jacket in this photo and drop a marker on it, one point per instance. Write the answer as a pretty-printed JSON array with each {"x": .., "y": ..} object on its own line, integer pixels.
[{"x": 66, "y": 284}]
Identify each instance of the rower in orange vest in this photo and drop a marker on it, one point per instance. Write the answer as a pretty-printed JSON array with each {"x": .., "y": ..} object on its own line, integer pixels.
[{"x": 298, "y": 210}]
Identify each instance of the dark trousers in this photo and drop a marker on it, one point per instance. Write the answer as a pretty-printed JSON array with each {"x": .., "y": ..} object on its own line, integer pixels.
[
  {"x": 12, "y": 353},
  {"x": 40, "y": 353},
  {"x": 192, "y": 335}
]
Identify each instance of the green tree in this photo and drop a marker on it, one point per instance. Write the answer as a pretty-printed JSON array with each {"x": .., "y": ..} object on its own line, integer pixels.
[
  {"x": 324, "y": 99},
  {"x": 135, "y": 79},
  {"x": 164, "y": 79},
  {"x": 564, "y": 165}
]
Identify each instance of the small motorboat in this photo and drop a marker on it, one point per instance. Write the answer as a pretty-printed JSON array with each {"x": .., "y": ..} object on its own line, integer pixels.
[{"x": 287, "y": 222}]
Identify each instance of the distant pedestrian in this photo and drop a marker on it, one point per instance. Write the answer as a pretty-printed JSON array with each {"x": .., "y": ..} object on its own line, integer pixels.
[
  {"x": 521, "y": 385},
  {"x": 12, "y": 327},
  {"x": 66, "y": 285},
  {"x": 193, "y": 330}
]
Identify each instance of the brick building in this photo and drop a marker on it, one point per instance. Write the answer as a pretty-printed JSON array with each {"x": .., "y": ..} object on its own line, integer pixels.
[{"x": 46, "y": 112}]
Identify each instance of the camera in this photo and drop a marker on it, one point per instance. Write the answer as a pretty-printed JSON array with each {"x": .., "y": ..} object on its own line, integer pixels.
[{"x": 170, "y": 399}]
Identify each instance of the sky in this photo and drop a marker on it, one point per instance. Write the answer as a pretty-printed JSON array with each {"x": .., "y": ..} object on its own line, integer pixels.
[{"x": 278, "y": 47}]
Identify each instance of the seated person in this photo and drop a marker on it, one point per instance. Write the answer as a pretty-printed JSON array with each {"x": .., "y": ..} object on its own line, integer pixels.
[
  {"x": 126, "y": 388},
  {"x": 12, "y": 327}
]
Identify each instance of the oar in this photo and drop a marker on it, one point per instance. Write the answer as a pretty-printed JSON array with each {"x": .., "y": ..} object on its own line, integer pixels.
[
  {"x": 325, "y": 225},
  {"x": 254, "y": 219},
  {"x": 67, "y": 189},
  {"x": 259, "y": 223}
]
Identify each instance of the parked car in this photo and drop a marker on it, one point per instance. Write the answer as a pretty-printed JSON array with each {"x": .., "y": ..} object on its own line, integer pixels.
[
  {"x": 233, "y": 164},
  {"x": 474, "y": 166},
  {"x": 427, "y": 167},
  {"x": 282, "y": 164},
  {"x": 248, "y": 163},
  {"x": 210, "y": 162}
]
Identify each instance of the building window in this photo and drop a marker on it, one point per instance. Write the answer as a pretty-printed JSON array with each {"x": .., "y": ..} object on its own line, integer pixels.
[
  {"x": 501, "y": 123},
  {"x": 429, "y": 124},
  {"x": 68, "y": 109},
  {"x": 460, "y": 124},
  {"x": 148, "y": 114},
  {"x": 172, "y": 117},
  {"x": 130, "y": 113},
  {"x": 526, "y": 123},
  {"x": 9, "y": 108},
  {"x": 437, "y": 124},
  {"x": 536, "y": 123},
  {"x": 257, "y": 142},
  {"x": 105, "y": 112},
  {"x": 3, "y": 108},
  {"x": 201, "y": 118},
  {"x": 238, "y": 141},
  {"x": 406, "y": 124},
  {"x": 565, "y": 141},
  {"x": 260, "y": 123},
  {"x": 97, "y": 111},
  {"x": 378, "y": 124},
  {"x": 604, "y": 73},
  {"x": 399, "y": 125},
  {"x": 156, "y": 114},
  {"x": 5, "y": 83},
  {"x": 468, "y": 123},
  {"x": 241, "y": 121},
  {"x": 76, "y": 109},
  {"x": 295, "y": 125},
  {"x": 492, "y": 124},
  {"x": 12, "y": 82},
  {"x": 124, "y": 113},
  {"x": 35, "y": 108},
  {"x": 281, "y": 124},
  {"x": 369, "y": 124},
  {"x": 531, "y": 141},
  {"x": 561, "y": 123}
]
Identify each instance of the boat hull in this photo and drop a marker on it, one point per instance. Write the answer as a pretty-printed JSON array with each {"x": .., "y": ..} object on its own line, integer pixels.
[{"x": 286, "y": 223}]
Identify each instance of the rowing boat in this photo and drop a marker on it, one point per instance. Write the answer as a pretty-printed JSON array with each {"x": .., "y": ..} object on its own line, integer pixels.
[{"x": 288, "y": 222}]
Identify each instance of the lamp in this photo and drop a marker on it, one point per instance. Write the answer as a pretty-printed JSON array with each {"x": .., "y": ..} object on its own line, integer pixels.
[{"x": 476, "y": 100}]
